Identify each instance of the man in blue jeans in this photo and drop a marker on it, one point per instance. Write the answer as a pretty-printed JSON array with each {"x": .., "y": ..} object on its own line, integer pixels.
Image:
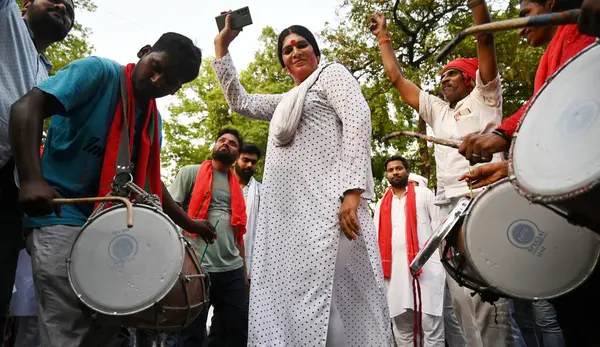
[
  {"x": 537, "y": 322},
  {"x": 213, "y": 190}
]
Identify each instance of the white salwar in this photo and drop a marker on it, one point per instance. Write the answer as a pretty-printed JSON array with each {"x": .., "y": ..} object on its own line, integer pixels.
[{"x": 295, "y": 286}]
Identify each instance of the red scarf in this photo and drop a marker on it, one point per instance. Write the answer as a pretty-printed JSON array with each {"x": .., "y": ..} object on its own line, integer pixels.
[
  {"x": 412, "y": 248},
  {"x": 200, "y": 201},
  {"x": 565, "y": 44},
  {"x": 147, "y": 168},
  {"x": 385, "y": 229}
]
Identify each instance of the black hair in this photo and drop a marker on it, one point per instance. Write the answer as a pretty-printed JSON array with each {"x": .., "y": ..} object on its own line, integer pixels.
[
  {"x": 250, "y": 148},
  {"x": 233, "y": 132},
  {"x": 397, "y": 158},
  {"x": 559, "y": 5},
  {"x": 183, "y": 57},
  {"x": 300, "y": 30}
]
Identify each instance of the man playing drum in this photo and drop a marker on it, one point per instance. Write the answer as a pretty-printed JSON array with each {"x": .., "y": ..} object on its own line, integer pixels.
[
  {"x": 473, "y": 99},
  {"x": 564, "y": 42},
  {"x": 212, "y": 191},
  {"x": 404, "y": 221},
  {"x": 79, "y": 161}
]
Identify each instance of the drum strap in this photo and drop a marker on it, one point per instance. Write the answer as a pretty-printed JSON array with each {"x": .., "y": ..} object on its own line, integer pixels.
[{"x": 123, "y": 158}]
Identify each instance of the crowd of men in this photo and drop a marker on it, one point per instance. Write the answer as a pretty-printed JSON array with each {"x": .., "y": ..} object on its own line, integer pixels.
[{"x": 298, "y": 260}]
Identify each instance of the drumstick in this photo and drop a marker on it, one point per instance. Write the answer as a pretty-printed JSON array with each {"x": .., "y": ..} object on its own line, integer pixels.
[
  {"x": 101, "y": 199},
  {"x": 542, "y": 20},
  {"x": 206, "y": 247},
  {"x": 435, "y": 140}
]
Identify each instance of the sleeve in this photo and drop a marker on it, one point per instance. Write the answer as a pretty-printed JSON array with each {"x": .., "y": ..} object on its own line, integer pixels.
[
  {"x": 4, "y": 4},
  {"x": 256, "y": 106},
  {"x": 77, "y": 83},
  {"x": 509, "y": 125},
  {"x": 488, "y": 94},
  {"x": 432, "y": 210},
  {"x": 345, "y": 96},
  {"x": 182, "y": 184},
  {"x": 429, "y": 106}
]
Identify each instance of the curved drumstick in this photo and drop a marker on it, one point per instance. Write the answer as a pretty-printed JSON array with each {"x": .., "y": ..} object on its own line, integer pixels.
[
  {"x": 127, "y": 203},
  {"x": 542, "y": 20},
  {"x": 435, "y": 140}
]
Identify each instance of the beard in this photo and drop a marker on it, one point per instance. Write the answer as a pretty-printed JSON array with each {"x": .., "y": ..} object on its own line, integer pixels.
[
  {"x": 399, "y": 182},
  {"x": 224, "y": 157},
  {"x": 245, "y": 174},
  {"x": 45, "y": 24}
]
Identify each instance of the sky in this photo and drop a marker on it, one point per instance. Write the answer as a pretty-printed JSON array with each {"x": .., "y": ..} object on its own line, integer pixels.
[{"x": 121, "y": 27}]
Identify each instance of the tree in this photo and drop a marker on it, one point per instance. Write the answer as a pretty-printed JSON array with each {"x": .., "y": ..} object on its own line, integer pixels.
[
  {"x": 418, "y": 30},
  {"x": 201, "y": 110}
]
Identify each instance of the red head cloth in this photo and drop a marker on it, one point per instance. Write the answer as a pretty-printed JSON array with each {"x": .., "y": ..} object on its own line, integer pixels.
[{"x": 467, "y": 66}]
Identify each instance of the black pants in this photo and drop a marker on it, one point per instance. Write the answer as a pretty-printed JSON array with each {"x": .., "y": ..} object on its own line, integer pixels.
[
  {"x": 229, "y": 326},
  {"x": 578, "y": 313},
  {"x": 11, "y": 239}
]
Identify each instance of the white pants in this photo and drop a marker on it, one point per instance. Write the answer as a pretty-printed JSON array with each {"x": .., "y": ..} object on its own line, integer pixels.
[
  {"x": 336, "y": 334},
  {"x": 433, "y": 329}
]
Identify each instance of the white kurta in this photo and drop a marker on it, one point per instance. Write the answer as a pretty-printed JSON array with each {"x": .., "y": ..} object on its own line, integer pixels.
[
  {"x": 298, "y": 232},
  {"x": 432, "y": 279},
  {"x": 252, "y": 197},
  {"x": 470, "y": 115}
]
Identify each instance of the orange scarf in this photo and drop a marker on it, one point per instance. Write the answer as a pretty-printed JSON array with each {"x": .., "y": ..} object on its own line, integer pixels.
[
  {"x": 565, "y": 44},
  {"x": 385, "y": 229},
  {"x": 202, "y": 193},
  {"x": 147, "y": 167}
]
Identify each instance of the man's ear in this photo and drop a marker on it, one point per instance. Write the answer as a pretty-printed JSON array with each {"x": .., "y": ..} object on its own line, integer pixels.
[{"x": 144, "y": 50}]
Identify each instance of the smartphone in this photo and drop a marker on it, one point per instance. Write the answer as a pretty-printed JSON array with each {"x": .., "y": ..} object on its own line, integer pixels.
[{"x": 239, "y": 19}]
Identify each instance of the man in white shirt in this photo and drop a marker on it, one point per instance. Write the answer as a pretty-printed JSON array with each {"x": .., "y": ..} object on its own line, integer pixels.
[
  {"x": 244, "y": 169},
  {"x": 472, "y": 101},
  {"x": 403, "y": 220}
]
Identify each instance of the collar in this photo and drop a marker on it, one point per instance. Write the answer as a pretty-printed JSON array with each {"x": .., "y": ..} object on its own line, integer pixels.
[{"x": 43, "y": 58}]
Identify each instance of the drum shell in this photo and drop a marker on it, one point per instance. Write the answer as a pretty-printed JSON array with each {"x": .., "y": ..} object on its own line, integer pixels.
[{"x": 183, "y": 304}]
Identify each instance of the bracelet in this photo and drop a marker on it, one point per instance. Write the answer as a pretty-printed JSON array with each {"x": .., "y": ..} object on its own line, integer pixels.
[
  {"x": 387, "y": 39},
  {"x": 475, "y": 3},
  {"x": 502, "y": 134}
]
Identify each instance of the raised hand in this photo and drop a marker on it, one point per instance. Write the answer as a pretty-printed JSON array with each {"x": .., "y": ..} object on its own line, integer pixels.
[
  {"x": 224, "y": 38},
  {"x": 378, "y": 25}
]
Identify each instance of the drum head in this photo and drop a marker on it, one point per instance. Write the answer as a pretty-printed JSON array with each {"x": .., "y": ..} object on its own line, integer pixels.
[
  {"x": 557, "y": 149},
  {"x": 117, "y": 270},
  {"x": 526, "y": 250}
]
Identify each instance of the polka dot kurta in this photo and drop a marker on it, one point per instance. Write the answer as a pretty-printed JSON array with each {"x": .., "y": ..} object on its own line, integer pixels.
[{"x": 298, "y": 232}]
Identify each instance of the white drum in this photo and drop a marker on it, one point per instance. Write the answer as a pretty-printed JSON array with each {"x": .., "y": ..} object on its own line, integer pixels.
[
  {"x": 513, "y": 248},
  {"x": 555, "y": 157},
  {"x": 117, "y": 270}
]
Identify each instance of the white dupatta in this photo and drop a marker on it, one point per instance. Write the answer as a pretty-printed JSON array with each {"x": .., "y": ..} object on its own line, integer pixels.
[{"x": 289, "y": 110}]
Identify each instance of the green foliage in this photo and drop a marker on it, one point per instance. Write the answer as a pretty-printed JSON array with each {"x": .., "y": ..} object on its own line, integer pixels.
[
  {"x": 418, "y": 30},
  {"x": 201, "y": 110}
]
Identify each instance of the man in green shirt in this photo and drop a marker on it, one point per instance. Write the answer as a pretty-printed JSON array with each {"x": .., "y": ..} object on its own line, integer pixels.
[{"x": 213, "y": 189}]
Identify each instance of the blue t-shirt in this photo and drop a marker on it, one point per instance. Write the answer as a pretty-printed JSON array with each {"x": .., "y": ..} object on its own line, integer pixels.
[{"x": 73, "y": 156}]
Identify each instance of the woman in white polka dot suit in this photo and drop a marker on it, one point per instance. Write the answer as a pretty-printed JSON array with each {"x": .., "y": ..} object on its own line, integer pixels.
[{"x": 316, "y": 277}]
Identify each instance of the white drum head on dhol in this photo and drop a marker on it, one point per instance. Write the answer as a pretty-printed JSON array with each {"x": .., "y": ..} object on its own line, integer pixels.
[
  {"x": 117, "y": 270},
  {"x": 557, "y": 148},
  {"x": 526, "y": 250}
]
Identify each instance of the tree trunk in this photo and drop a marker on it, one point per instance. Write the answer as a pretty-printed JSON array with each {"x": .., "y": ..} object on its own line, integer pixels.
[{"x": 424, "y": 164}]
